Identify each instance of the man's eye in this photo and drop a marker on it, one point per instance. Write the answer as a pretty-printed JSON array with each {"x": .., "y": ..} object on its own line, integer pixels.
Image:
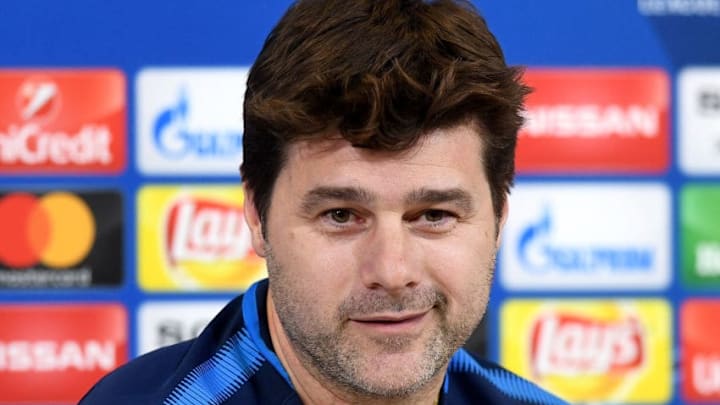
[
  {"x": 435, "y": 215},
  {"x": 339, "y": 215}
]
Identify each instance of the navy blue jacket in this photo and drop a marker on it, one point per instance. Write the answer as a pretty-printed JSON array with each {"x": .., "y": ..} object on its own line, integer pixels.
[{"x": 232, "y": 362}]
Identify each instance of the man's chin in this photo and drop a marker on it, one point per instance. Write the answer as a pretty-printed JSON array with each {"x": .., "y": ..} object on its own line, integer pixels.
[
  {"x": 390, "y": 370},
  {"x": 384, "y": 384}
]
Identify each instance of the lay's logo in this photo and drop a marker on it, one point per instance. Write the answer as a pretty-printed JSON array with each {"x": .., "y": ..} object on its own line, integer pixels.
[
  {"x": 591, "y": 350},
  {"x": 572, "y": 345},
  {"x": 195, "y": 238},
  {"x": 204, "y": 230}
]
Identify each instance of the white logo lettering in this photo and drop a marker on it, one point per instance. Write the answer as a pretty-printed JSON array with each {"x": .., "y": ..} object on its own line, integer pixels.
[
  {"x": 29, "y": 145},
  {"x": 47, "y": 356},
  {"x": 706, "y": 374},
  {"x": 208, "y": 232},
  {"x": 571, "y": 347},
  {"x": 592, "y": 121},
  {"x": 707, "y": 259}
]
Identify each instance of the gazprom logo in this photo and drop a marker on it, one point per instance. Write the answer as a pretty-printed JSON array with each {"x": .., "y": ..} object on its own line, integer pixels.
[
  {"x": 175, "y": 139},
  {"x": 587, "y": 236},
  {"x": 190, "y": 120},
  {"x": 538, "y": 253}
]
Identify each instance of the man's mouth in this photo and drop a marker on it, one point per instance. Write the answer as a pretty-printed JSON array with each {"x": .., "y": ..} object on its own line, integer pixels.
[{"x": 391, "y": 323}]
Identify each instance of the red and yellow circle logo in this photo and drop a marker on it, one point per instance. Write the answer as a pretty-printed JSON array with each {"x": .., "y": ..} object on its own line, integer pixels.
[{"x": 56, "y": 230}]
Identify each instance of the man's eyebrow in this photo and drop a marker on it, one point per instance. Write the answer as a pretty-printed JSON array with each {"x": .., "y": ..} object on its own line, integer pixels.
[
  {"x": 457, "y": 196},
  {"x": 318, "y": 195}
]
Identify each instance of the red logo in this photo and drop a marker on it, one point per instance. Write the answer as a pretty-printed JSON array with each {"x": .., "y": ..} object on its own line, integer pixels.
[
  {"x": 570, "y": 345},
  {"x": 62, "y": 121},
  {"x": 206, "y": 231},
  {"x": 595, "y": 121},
  {"x": 57, "y": 230},
  {"x": 55, "y": 353},
  {"x": 700, "y": 339}
]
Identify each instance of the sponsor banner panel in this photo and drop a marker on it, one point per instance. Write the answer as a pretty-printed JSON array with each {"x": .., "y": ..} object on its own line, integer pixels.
[
  {"x": 54, "y": 353},
  {"x": 59, "y": 239},
  {"x": 606, "y": 351},
  {"x": 62, "y": 121},
  {"x": 679, "y": 11},
  {"x": 700, "y": 233},
  {"x": 595, "y": 121},
  {"x": 699, "y": 120},
  {"x": 190, "y": 120},
  {"x": 168, "y": 322},
  {"x": 700, "y": 350},
  {"x": 195, "y": 238},
  {"x": 587, "y": 236}
]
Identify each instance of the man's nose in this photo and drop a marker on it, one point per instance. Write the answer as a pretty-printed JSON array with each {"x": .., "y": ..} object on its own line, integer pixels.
[{"x": 388, "y": 259}]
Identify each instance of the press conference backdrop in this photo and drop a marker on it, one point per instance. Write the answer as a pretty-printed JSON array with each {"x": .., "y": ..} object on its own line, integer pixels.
[{"x": 121, "y": 224}]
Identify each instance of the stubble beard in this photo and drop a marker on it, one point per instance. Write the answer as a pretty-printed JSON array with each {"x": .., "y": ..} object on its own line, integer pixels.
[{"x": 323, "y": 343}]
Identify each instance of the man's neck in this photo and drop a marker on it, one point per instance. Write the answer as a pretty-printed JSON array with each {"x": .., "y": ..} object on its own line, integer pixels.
[{"x": 314, "y": 389}]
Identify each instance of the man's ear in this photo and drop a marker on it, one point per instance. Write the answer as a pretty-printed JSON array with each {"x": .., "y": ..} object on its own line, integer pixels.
[
  {"x": 254, "y": 222},
  {"x": 501, "y": 222}
]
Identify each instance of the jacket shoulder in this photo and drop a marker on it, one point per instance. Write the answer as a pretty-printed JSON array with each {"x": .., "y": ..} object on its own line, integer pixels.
[
  {"x": 152, "y": 376},
  {"x": 472, "y": 377},
  {"x": 144, "y": 380}
]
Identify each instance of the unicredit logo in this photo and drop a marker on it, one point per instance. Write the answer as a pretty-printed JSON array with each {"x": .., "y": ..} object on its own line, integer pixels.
[
  {"x": 31, "y": 143},
  {"x": 56, "y": 230},
  {"x": 38, "y": 99},
  {"x": 62, "y": 120}
]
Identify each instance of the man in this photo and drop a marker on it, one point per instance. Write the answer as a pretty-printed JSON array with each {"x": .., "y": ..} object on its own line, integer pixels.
[{"x": 379, "y": 151}]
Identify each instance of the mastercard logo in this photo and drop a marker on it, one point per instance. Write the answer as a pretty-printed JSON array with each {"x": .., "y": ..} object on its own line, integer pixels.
[{"x": 56, "y": 230}]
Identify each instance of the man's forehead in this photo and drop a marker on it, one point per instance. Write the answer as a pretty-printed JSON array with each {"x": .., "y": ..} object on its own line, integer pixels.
[
  {"x": 332, "y": 143},
  {"x": 441, "y": 162}
]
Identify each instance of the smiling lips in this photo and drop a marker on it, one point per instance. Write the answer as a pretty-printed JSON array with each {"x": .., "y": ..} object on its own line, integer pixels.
[{"x": 392, "y": 323}]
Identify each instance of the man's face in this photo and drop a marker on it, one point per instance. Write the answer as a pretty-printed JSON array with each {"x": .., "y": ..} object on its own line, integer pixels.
[{"x": 380, "y": 263}]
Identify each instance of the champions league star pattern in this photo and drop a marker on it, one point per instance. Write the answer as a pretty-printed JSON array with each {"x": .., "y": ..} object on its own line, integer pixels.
[{"x": 121, "y": 226}]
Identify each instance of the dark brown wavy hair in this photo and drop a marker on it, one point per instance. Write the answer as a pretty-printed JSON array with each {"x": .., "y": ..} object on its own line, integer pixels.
[{"x": 382, "y": 73}]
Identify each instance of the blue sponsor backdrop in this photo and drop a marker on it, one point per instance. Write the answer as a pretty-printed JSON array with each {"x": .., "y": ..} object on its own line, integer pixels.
[{"x": 133, "y": 34}]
